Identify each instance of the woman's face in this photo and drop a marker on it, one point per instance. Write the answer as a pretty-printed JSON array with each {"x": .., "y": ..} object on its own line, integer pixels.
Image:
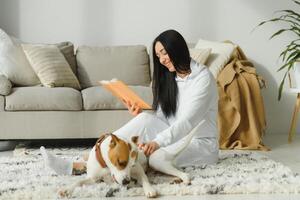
[{"x": 163, "y": 57}]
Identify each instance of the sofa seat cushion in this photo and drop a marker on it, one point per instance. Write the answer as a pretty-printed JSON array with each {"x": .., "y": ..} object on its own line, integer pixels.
[
  {"x": 98, "y": 98},
  {"x": 43, "y": 98}
]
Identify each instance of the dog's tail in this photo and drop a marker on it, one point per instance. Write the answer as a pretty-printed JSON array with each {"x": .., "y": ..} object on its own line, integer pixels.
[{"x": 185, "y": 141}]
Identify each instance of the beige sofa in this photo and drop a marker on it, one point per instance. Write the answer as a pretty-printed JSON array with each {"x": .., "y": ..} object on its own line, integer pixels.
[
  {"x": 36, "y": 112},
  {"x": 32, "y": 111}
]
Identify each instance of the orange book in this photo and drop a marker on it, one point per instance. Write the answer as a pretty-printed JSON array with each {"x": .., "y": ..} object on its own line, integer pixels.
[{"x": 123, "y": 92}]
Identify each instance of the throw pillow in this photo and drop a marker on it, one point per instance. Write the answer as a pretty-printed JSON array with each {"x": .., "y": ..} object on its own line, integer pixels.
[
  {"x": 13, "y": 62},
  {"x": 50, "y": 66},
  {"x": 5, "y": 85},
  {"x": 220, "y": 54},
  {"x": 67, "y": 49},
  {"x": 200, "y": 55}
]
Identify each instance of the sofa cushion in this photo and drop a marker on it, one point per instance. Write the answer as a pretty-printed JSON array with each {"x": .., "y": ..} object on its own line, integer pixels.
[
  {"x": 200, "y": 55},
  {"x": 67, "y": 49},
  {"x": 127, "y": 63},
  {"x": 43, "y": 98},
  {"x": 5, "y": 85},
  {"x": 14, "y": 64},
  {"x": 220, "y": 54},
  {"x": 98, "y": 98},
  {"x": 51, "y": 66}
]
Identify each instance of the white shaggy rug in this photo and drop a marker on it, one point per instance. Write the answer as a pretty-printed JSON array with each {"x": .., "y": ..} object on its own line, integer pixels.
[{"x": 24, "y": 176}]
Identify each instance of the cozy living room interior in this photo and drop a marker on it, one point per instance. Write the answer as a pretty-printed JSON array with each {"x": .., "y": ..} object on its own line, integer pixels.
[{"x": 54, "y": 53}]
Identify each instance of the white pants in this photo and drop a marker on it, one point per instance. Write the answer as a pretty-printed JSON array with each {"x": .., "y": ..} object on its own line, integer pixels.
[{"x": 199, "y": 152}]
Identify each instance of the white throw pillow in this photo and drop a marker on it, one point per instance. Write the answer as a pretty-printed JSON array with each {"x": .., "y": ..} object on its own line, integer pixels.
[
  {"x": 220, "y": 54},
  {"x": 13, "y": 62},
  {"x": 200, "y": 55},
  {"x": 50, "y": 66}
]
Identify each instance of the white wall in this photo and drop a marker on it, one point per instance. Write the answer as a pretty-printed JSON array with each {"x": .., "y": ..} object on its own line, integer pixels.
[
  {"x": 118, "y": 22},
  {"x": 102, "y": 22}
]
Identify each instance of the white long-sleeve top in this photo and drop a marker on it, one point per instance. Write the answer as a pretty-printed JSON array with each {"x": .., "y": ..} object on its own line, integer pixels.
[{"x": 197, "y": 103}]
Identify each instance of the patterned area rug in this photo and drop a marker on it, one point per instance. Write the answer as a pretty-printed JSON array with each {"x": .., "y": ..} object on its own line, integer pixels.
[{"x": 24, "y": 176}]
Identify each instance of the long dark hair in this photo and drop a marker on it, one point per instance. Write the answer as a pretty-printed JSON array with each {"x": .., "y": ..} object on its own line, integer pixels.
[{"x": 164, "y": 85}]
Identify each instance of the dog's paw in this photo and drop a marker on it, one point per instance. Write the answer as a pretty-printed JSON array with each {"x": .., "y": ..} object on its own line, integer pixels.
[
  {"x": 111, "y": 191},
  {"x": 176, "y": 181},
  {"x": 150, "y": 192},
  {"x": 65, "y": 193}
]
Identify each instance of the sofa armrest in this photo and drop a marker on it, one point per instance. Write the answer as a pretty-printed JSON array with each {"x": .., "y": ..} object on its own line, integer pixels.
[{"x": 5, "y": 85}]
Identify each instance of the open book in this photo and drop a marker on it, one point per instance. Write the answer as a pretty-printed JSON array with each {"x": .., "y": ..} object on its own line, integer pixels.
[{"x": 123, "y": 92}]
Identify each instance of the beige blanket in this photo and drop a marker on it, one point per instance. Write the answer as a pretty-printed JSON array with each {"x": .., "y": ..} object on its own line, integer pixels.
[{"x": 241, "y": 117}]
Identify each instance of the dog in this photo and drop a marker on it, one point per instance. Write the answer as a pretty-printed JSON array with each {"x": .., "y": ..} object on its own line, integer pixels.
[{"x": 123, "y": 160}]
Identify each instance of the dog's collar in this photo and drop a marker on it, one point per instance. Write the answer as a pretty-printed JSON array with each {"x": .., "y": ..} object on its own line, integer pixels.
[{"x": 98, "y": 150}]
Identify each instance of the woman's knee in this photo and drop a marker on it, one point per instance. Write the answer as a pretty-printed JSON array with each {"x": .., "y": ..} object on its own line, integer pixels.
[
  {"x": 151, "y": 120},
  {"x": 145, "y": 116},
  {"x": 156, "y": 159},
  {"x": 135, "y": 126},
  {"x": 153, "y": 160}
]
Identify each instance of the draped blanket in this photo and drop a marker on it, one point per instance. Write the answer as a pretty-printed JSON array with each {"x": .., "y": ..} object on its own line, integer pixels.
[{"x": 241, "y": 117}]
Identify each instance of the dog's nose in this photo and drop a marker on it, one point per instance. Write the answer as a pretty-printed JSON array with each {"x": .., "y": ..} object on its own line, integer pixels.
[{"x": 125, "y": 181}]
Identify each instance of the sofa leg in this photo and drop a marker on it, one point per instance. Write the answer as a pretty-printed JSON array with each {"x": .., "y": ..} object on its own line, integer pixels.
[{"x": 6, "y": 145}]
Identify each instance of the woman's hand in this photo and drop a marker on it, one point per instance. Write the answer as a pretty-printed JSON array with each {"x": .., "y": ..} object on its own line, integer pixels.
[
  {"x": 133, "y": 109},
  {"x": 149, "y": 147}
]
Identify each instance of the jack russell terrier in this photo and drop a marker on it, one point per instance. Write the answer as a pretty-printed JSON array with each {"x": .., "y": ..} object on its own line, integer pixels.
[{"x": 123, "y": 160}]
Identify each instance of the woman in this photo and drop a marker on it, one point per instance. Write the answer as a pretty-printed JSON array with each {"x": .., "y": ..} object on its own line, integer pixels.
[{"x": 185, "y": 96}]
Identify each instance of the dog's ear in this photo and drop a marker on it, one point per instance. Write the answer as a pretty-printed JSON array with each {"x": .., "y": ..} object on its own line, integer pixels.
[
  {"x": 135, "y": 139},
  {"x": 113, "y": 141},
  {"x": 115, "y": 137}
]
